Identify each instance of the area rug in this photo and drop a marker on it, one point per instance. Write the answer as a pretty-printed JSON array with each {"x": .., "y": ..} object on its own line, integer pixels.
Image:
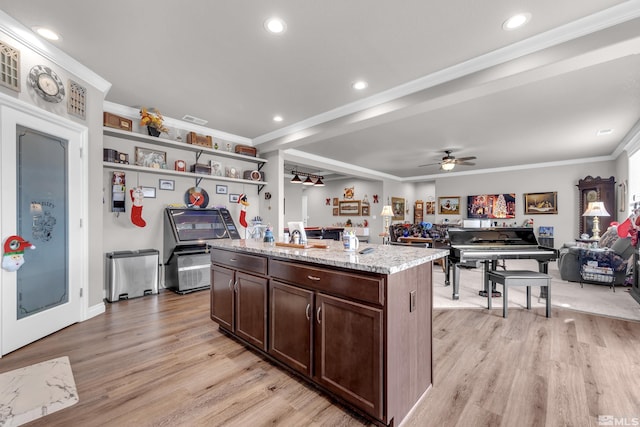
[
  {"x": 34, "y": 391},
  {"x": 590, "y": 298}
]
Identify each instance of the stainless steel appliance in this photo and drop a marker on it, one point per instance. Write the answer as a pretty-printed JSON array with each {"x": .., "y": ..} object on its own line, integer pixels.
[{"x": 186, "y": 248}]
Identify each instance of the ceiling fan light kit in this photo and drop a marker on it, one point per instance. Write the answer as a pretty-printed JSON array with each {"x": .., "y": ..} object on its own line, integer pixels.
[{"x": 449, "y": 162}]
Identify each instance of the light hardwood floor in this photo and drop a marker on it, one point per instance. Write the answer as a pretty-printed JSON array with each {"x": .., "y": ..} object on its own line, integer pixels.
[{"x": 160, "y": 361}]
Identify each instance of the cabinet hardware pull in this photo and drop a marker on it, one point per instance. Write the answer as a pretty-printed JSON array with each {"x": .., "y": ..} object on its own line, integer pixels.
[
  {"x": 232, "y": 259},
  {"x": 307, "y": 312},
  {"x": 235, "y": 286},
  {"x": 315, "y": 278},
  {"x": 318, "y": 315},
  {"x": 230, "y": 280}
]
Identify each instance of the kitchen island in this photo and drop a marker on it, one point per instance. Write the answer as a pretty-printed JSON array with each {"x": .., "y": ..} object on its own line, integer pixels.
[{"x": 357, "y": 326}]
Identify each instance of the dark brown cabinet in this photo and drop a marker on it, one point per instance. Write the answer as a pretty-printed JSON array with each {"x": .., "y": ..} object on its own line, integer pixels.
[
  {"x": 239, "y": 299},
  {"x": 348, "y": 349},
  {"x": 596, "y": 190},
  {"x": 291, "y": 326},
  {"x": 362, "y": 337}
]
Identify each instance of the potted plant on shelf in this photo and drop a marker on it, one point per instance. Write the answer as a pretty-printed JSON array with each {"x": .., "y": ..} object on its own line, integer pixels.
[{"x": 153, "y": 120}]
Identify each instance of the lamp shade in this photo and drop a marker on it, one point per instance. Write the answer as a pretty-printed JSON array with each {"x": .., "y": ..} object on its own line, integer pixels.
[
  {"x": 386, "y": 211},
  {"x": 447, "y": 166},
  {"x": 596, "y": 209},
  {"x": 296, "y": 180},
  {"x": 307, "y": 181},
  {"x": 319, "y": 183}
]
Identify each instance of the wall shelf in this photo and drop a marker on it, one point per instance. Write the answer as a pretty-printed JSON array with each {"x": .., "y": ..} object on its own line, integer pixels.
[{"x": 167, "y": 143}]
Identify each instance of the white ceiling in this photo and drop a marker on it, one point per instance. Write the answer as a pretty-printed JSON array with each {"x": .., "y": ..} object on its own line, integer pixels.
[{"x": 442, "y": 75}]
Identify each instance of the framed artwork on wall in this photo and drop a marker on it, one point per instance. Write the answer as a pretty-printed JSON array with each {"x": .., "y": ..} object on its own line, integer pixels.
[
  {"x": 492, "y": 206},
  {"x": 449, "y": 205},
  {"x": 349, "y": 207},
  {"x": 541, "y": 203},
  {"x": 397, "y": 206},
  {"x": 365, "y": 210}
]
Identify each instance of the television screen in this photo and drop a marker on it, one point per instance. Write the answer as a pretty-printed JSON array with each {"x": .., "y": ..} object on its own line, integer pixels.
[{"x": 491, "y": 206}]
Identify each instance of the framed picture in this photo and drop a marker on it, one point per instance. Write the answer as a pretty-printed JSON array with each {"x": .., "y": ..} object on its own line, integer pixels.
[
  {"x": 397, "y": 206},
  {"x": 151, "y": 158},
  {"x": 221, "y": 189},
  {"x": 492, "y": 206},
  {"x": 349, "y": 207},
  {"x": 335, "y": 211},
  {"x": 449, "y": 205},
  {"x": 335, "y": 201},
  {"x": 430, "y": 208},
  {"x": 216, "y": 168},
  {"x": 365, "y": 210},
  {"x": 541, "y": 203},
  {"x": 233, "y": 198},
  {"x": 149, "y": 192},
  {"x": 166, "y": 184}
]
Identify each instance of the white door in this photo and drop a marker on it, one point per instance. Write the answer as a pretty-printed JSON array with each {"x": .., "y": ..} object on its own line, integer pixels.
[{"x": 41, "y": 202}]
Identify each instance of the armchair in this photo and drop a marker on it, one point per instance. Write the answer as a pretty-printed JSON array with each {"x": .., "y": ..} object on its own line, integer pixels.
[{"x": 606, "y": 265}]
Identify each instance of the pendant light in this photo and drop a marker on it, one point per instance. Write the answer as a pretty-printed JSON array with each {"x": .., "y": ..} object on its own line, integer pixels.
[{"x": 296, "y": 179}]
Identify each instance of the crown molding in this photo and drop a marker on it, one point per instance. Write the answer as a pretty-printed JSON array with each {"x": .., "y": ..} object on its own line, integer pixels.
[{"x": 20, "y": 33}]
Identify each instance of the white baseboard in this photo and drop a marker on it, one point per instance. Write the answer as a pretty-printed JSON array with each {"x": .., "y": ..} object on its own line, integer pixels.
[{"x": 95, "y": 310}]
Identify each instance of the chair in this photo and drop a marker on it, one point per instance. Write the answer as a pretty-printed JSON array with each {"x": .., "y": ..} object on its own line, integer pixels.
[{"x": 606, "y": 265}]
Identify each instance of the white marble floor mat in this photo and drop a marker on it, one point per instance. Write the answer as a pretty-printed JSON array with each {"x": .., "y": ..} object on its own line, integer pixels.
[
  {"x": 34, "y": 391},
  {"x": 591, "y": 298}
]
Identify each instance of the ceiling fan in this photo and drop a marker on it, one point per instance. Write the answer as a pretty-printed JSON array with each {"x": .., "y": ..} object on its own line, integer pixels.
[{"x": 449, "y": 162}]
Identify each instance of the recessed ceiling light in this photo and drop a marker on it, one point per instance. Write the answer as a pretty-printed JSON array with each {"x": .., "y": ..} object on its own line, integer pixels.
[
  {"x": 275, "y": 25},
  {"x": 516, "y": 21},
  {"x": 602, "y": 132},
  {"x": 47, "y": 33},
  {"x": 360, "y": 85},
  {"x": 277, "y": 118}
]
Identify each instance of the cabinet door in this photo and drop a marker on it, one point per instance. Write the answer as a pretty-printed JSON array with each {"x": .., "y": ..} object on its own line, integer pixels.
[
  {"x": 291, "y": 325},
  {"x": 222, "y": 282},
  {"x": 251, "y": 309},
  {"x": 348, "y": 351}
]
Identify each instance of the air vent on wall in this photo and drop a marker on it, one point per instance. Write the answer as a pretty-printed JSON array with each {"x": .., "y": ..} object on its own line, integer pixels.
[{"x": 192, "y": 119}]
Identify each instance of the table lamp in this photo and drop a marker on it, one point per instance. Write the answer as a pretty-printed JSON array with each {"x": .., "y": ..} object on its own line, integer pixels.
[
  {"x": 386, "y": 213},
  {"x": 596, "y": 209}
]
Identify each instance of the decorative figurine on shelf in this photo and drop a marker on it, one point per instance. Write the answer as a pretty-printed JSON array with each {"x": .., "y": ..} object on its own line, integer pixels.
[
  {"x": 244, "y": 202},
  {"x": 136, "y": 209},
  {"x": 13, "y": 257}
]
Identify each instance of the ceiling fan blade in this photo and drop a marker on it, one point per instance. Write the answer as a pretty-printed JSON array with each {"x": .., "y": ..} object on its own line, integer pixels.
[
  {"x": 464, "y": 159},
  {"x": 466, "y": 163},
  {"x": 429, "y": 164}
]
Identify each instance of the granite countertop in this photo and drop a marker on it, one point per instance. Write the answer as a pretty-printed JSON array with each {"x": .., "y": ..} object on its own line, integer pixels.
[{"x": 385, "y": 259}]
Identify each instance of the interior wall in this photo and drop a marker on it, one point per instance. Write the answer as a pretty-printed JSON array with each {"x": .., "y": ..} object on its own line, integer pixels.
[{"x": 561, "y": 179}]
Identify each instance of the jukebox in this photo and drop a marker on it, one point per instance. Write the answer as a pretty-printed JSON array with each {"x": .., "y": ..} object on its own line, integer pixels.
[{"x": 186, "y": 256}]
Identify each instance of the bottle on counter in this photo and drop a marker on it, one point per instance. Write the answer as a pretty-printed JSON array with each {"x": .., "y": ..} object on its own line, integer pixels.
[{"x": 269, "y": 240}]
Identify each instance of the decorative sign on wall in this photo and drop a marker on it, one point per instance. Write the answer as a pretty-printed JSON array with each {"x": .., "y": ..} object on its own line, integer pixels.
[
  {"x": 9, "y": 67},
  {"x": 77, "y": 102}
]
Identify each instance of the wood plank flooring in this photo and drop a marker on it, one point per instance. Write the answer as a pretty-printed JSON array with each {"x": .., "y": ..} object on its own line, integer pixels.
[{"x": 160, "y": 361}]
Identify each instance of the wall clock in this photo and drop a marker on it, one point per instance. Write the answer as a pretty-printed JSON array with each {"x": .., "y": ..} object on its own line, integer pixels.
[
  {"x": 196, "y": 197},
  {"x": 46, "y": 83}
]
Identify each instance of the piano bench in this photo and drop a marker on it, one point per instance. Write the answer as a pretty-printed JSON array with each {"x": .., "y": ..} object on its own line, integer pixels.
[{"x": 519, "y": 278}]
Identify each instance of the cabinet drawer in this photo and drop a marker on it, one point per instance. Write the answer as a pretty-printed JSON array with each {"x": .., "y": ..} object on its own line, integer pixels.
[
  {"x": 251, "y": 263},
  {"x": 355, "y": 286}
]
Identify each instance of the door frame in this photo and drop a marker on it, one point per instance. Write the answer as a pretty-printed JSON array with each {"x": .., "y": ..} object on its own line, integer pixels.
[{"x": 15, "y": 112}]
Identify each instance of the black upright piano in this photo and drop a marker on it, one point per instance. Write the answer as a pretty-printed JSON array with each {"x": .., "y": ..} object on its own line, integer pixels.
[{"x": 488, "y": 245}]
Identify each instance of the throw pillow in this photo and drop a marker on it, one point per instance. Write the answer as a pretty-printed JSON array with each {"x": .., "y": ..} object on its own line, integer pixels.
[{"x": 608, "y": 238}]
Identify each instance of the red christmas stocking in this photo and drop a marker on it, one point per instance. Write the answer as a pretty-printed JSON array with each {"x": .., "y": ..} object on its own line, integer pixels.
[{"x": 136, "y": 209}]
